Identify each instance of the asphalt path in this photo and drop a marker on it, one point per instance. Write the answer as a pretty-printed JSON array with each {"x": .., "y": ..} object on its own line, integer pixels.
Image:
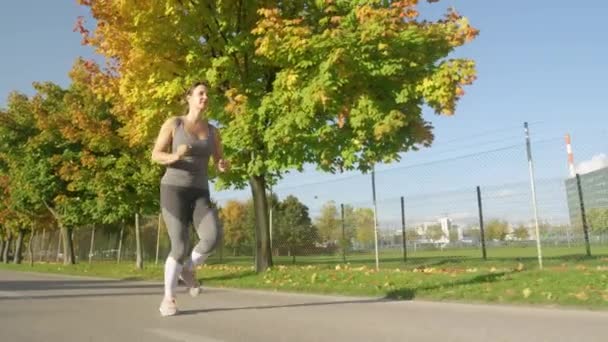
[{"x": 54, "y": 308}]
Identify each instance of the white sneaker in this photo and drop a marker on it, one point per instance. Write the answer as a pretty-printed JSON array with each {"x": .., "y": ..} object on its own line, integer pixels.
[
  {"x": 188, "y": 276},
  {"x": 168, "y": 307}
]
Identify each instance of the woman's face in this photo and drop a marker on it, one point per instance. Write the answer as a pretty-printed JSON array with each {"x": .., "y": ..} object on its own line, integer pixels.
[{"x": 198, "y": 99}]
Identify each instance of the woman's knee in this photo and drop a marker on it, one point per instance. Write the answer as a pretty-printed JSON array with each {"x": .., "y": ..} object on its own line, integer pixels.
[
  {"x": 179, "y": 252},
  {"x": 210, "y": 236}
]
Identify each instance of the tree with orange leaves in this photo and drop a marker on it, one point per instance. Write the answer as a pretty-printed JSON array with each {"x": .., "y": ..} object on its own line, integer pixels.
[{"x": 337, "y": 83}]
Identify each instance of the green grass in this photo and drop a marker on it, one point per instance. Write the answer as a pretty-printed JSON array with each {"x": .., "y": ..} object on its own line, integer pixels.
[{"x": 510, "y": 275}]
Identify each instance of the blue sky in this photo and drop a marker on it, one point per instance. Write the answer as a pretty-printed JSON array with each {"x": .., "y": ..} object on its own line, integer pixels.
[{"x": 538, "y": 61}]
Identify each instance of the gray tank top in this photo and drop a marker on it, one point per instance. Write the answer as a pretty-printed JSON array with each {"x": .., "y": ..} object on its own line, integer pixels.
[{"x": 191, "y": 171}]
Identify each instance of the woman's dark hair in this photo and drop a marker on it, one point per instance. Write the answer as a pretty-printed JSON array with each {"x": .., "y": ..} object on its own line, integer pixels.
[{"x": 196, "y": 84}]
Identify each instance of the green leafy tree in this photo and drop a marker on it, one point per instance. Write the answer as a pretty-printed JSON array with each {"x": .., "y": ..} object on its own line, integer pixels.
[
  {"x": 598, "y": 220},
  {"x": 496, "y": 230},
  {"x": 434, "y": 232},
  {"x": 20, "y": 214},
  {"x": 453, "y": 233},
  {"x": 521, "y": 233},
  {"x": 340, "y": 83},
  {"x": 411, "y": 235},
  {"x": 364, "y": 222},
  {"x": 349, "y": 235},
  {"x": 328, "y": 223},
  {"x": 295, "y": 228}
]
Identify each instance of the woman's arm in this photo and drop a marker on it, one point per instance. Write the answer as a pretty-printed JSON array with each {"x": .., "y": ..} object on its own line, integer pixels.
[
  {"x": 163, "y": 144},
  {"x": 222, "y": 164}
]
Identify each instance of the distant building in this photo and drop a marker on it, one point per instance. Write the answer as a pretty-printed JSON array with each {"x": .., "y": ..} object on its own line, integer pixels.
[
  {"x": 595, "y": 194},
  {"x": 446, "y": 226}
]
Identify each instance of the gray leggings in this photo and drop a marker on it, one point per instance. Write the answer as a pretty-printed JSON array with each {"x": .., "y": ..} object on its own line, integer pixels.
[{"x": 181, "y": 206}]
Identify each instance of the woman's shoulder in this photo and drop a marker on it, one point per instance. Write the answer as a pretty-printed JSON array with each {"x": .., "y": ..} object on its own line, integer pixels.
[{"x": 172, "y": 122}]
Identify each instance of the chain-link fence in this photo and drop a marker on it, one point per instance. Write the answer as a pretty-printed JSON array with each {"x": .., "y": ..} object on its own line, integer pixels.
[{"x": 445, "y": 199}]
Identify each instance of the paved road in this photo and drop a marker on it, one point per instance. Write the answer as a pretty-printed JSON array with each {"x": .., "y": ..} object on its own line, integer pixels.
[{"x": 41, "y": 307}]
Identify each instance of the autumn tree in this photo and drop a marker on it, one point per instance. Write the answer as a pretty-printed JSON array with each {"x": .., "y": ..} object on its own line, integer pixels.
[
  {"x": 119, "y": 177},
  {"x": 337, "y": 83},
  {"x": 236, "y": 232}
]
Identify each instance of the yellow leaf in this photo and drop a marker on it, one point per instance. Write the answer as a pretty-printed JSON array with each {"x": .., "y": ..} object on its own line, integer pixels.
[
  {"x": 581, "y": 295},
  {"x": 313, "y": 278},
  {"x": 526, "y": 292}
]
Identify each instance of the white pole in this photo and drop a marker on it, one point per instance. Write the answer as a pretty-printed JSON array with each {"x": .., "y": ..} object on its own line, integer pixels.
[
  {"x": 534, "y": 202},
  {"x": 375, "y": 217},
  {"x": 92, "y": 244}
]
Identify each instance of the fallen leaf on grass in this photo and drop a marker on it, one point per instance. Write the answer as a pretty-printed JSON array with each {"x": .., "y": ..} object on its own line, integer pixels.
[{"x": 582, "y": 295}]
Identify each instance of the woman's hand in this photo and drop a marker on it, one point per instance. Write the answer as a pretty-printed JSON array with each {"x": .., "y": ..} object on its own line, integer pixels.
[{"x": 183, "y": 150}]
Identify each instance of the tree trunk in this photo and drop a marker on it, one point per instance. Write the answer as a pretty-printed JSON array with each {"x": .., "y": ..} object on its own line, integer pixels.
[
  {"x": 59, "y": 233},
  {"x": 92, "y": 244},
  {"x": 7, "y": 247},
  {"x": 139, "y": 263},
  {"x": 59, "y": 244},
  {"x": 66, "y": 233},
  {"x": 2, "y": 245},
  {"x": 68, "y": 246},
  {"x": 122, "y": 229},
  {"x": 31, "y": 247},
  {"x": 41, "y": 247},
  {"x": 263, "y": 256},
  {"x": 18, "y": 247}
]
